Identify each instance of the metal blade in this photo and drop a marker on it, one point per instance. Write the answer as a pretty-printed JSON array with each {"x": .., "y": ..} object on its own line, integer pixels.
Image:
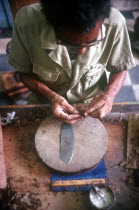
[{"x": 67, "y": 142}]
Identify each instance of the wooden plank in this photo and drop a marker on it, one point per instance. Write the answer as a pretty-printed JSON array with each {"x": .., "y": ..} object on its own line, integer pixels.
[
  {"x": 61, "y": 183},
  {"x": 126, "y": 107},
  {"x": 122, "y": 107},
  {"x": 133, "y": 142},
  {"x": 3, "y": 181},
  {"x": 29, "y": 176}
]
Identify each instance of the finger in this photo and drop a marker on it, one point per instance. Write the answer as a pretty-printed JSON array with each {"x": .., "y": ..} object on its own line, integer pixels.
[
  {"x": 94, "y": 107},
  {"x": 73, "y": 121},
  {"x": 105, "y": 110},
  {"x": 95, "y": 99},
  {"x": 74, "y": 117},
  {"x": 59, "y": 113},
  {"x": 71, "y": 109},
  {"x": 102, "y": 115},
  {"x": 94, "y": 114}
]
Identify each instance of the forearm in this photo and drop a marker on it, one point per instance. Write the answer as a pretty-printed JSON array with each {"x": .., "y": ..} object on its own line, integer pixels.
[
  {"x": 60, "y": 107},
  {"x": 115, "y": 83},
  {"x": 36, "y": 86}
]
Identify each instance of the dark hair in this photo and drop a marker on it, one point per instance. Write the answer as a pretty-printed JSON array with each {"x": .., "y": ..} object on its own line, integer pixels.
[{"x": 77, "y": 15}]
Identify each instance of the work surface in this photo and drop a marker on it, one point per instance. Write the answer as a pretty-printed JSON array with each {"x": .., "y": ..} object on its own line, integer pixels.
[{"x": 29, "y": 179}]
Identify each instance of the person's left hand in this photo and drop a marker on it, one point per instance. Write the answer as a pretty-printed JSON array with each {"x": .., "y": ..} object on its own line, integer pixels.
[{"x": 100, "y": 106}]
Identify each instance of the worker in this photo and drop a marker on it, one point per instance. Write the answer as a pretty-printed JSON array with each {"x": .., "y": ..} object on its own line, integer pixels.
[{"x": 62, "y": 50}]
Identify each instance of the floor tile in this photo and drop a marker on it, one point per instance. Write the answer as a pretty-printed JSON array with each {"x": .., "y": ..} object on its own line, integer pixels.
[
  {"x": 135, "y": 14},
  {"x": 3, "y": 44},
  {"x": 126, "y": 4},
  {"x": 136, "y": 58},
  {"x": 130, "y": 24},
  {"x": 136, "y": 91},
  {"x": 6, "y": 33},
  {"x": 126, "y": 95},
  {"x": 127, "y": 14},
  {"x": 4, "y": 65},
  {"x": 127, "y": 81},
  {"x": 134, "y": 75},
  {"x": 136, "y": 5}
]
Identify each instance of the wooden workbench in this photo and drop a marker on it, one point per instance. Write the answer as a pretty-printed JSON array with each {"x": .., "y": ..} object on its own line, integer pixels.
[{"x": 29, "y": 183}]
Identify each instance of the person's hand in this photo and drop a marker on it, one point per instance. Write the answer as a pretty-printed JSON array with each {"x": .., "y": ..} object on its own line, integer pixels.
[
  {"x": 100, "y": 106},
  {"x": 63, "y": 110}
]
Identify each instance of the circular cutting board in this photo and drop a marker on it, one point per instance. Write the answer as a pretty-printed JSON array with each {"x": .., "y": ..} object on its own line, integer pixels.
[{"x": 90, "y": 144}]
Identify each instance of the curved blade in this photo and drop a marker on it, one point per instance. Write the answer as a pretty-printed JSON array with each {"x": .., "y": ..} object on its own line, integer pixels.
[{"x": 66, "y": 142}]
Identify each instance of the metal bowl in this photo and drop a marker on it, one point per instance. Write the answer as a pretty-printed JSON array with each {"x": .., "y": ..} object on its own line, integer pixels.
[{"x": 102, "y": 197}]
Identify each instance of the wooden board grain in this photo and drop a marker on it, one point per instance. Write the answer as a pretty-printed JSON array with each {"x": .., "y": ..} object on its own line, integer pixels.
[
  {"x": 133, "y": 142},
  {"x": 29, "y": 176},
  {"x": 82, "y": 182},
  {"x": 3, "y": 181}
]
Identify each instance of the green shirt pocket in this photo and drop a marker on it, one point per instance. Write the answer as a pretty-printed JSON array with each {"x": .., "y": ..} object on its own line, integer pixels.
[
  {"x": 91, "y": 76},
  {"x": 45, "y": 74}
]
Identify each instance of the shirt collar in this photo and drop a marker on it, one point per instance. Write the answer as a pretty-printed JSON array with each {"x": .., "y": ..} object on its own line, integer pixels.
[{"x": 103, "y": 32}]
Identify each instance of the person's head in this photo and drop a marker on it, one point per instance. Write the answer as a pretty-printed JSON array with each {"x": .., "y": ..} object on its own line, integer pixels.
[{"x": 76, "y": 21}]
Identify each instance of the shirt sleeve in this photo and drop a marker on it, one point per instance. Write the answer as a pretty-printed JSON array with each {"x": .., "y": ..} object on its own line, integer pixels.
[
  {"x": 121, "y": 57},
  {"x": 19, "y": 57}
]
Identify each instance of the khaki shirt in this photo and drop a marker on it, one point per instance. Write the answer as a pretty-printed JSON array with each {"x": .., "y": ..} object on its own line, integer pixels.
[{"x": 34, "y": 49}]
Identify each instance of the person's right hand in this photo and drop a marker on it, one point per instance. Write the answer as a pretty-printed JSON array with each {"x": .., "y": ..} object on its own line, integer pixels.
[{"x": 61, "y": 109}]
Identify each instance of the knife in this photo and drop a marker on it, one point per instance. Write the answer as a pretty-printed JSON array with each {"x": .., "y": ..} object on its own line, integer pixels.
[{"x": 66, "y": 142}]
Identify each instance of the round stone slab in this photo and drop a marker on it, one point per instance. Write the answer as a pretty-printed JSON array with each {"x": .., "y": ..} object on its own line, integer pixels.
[{"x": 90, "y": 144}]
